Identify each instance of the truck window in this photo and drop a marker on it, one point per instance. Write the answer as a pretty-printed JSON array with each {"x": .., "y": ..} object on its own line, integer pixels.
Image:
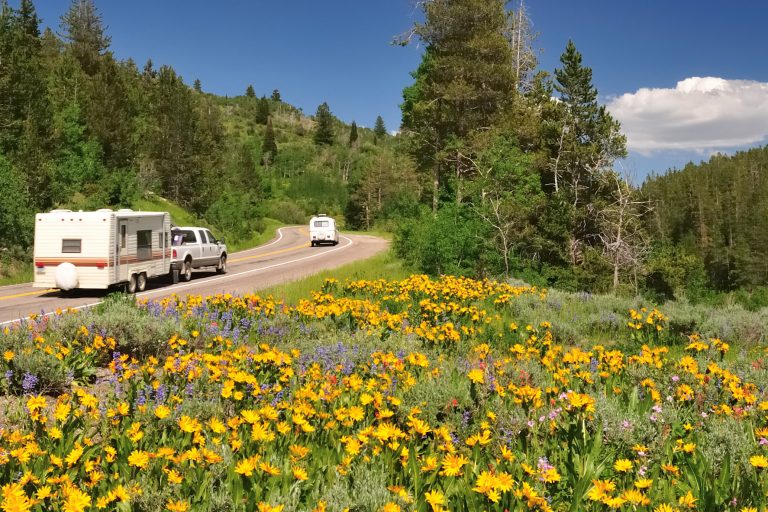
[
  {"x": 203, "y": 239},
  {"x": 211, "y": 238},
  {"x": 71, "y": 245},
  {"x": 186, "y": 236},
  {"x": 144, "y": 244}
]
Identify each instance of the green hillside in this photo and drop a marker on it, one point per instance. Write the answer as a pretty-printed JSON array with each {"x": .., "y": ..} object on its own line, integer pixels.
[{"x": 81, "y": 129}]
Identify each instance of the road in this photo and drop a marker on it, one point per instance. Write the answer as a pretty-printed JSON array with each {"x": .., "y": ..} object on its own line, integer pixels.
[{"x": 286, "y": 258}]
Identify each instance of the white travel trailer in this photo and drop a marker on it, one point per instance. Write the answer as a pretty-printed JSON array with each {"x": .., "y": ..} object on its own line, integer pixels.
[
  {"x": 96, "y": 250},
  {"x": 322, "y": 229}
]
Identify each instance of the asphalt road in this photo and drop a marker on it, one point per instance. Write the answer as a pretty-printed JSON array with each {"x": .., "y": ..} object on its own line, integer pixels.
[{"x": 286, "y": 258}]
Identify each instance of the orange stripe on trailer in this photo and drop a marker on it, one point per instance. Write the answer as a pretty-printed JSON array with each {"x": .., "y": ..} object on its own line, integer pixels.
[{"x": 78, "y": 263}]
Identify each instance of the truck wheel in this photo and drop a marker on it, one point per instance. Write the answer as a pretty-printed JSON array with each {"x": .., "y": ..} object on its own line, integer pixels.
[
  {"x": 141, "y": 282},
  {"x": 131, "y": 286},
  {"x": 186, "y": 271},
  {"x": 222, "y": 268}
]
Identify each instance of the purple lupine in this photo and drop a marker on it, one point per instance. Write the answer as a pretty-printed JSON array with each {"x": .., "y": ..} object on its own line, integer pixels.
[{"x": 29, "y": 382}]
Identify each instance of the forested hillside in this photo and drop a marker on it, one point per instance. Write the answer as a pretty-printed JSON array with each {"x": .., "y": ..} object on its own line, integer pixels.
[
  {"x": 709, "y": 221},
  {"x": 498, "y": 169},
  {"x": 82, "y": 130}
]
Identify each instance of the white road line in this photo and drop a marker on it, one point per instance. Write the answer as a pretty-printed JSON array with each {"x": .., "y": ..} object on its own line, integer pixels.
[
  {"x": 174, "y": 288},
  {"x": 279, "y": 237},
  {"x": 251, "y": 271}
]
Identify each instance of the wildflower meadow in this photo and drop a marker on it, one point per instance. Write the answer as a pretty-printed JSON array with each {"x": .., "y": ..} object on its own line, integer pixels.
[{"x": 413, "y": 395}]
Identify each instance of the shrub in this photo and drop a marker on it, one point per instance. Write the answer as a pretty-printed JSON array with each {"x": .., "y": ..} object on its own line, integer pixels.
[
  {"x": 137, "y": 332},
  {"x": 34, "y": 371}
]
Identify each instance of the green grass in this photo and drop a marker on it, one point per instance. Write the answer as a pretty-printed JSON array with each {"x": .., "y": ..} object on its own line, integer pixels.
[
  {"x": 386, "y": 235},
  {"x": 179, "y": 216},
  {"x": 21, "y": 272},
  {"x": 382, "y": 266},
  {"x": 270, "y": 227}
]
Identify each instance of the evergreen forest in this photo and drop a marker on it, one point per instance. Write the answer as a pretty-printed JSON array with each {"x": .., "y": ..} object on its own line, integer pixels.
[{"x": 499, "y": 168}]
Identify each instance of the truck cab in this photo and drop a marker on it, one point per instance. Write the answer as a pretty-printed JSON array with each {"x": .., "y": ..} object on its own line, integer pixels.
[
  {"x": 196, "y": 247},
  {"x": 322, "y": 230}
]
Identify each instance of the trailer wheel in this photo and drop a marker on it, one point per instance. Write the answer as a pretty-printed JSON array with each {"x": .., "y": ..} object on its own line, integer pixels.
[
  {"x": 174, "y": 276},
  {"x": 186, "y": 271},
  {"x": 141, "y": 282},
  {"x": 222, "y": 268},
  {"x": 131, "y": 286}
]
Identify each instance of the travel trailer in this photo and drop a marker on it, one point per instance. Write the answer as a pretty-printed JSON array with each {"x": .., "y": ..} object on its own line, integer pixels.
[
  {"x": 322, "y": 229},
  {"x": 97, "y": 250}
]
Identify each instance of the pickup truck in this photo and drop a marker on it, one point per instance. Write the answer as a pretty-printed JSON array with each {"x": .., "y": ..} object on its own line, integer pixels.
[{"x": 195, "y": 247}]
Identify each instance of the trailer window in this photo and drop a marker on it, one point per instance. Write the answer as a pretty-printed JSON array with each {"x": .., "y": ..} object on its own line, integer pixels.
[
  {"x": 123, "y": 236},
  {"x": 71, "y": 245},
  {"x": 144, "y": 244},
  {"x": 321, "y": 223}
]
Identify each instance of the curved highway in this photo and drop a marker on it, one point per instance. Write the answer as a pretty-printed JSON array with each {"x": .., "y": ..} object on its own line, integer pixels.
[{"x": 286, "y": 258}]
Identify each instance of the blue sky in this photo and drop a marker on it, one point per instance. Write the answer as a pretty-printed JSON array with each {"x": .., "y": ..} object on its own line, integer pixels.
[{"x": 686, "y": 78}]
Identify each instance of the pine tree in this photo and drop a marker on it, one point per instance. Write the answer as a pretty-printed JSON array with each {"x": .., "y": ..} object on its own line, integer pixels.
[
  {"x": 25, "y": 110},
  {"x": 172, "y": 142},
  {"x": 250, "y": 92},
  {"x": 83, "y": 28},
  {"x": 324, "y": 130},
  {"x": 269, "y": 146},
  {"x": 353, "y": 134},
  {"x": 275, "y": 96},
  {"x": 585, "y": 145},
  {"x": 262, "y": 111},
  {"x": 109, "y": 113},
  {"x": 16, "y": 215},
  {"x": 198, "y": 86},
  {"x": 148, "y": 73},
  {"x": 379, "y": 130},
  {"x": 463, "y": 84}
]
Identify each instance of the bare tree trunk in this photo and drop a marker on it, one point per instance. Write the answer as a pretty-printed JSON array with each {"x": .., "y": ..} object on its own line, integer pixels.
[
  {"x": 435, "y": 189},
  {"x": 368, "y": 213},
  {"x": 615, "y": 272},
  {"x": 458, "y": 179}
]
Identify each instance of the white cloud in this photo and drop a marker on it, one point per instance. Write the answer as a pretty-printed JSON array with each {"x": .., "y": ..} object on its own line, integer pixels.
[{"x": 704, "y": 115}]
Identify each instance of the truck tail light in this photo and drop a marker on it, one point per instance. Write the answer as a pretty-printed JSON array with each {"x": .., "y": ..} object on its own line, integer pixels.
[{"x": 174, "y": 253}]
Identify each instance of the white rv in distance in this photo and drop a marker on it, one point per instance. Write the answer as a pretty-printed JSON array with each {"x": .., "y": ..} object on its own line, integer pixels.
[
  {"x": 97, "y": 250},
  {"x": 322, "y": 229}
]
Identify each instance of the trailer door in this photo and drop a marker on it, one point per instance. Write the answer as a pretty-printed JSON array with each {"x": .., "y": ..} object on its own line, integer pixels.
[{"x": 121, "y": 247}]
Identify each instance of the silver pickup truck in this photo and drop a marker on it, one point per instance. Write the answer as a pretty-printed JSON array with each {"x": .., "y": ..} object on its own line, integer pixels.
[{"x": 193, "y": 248}]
